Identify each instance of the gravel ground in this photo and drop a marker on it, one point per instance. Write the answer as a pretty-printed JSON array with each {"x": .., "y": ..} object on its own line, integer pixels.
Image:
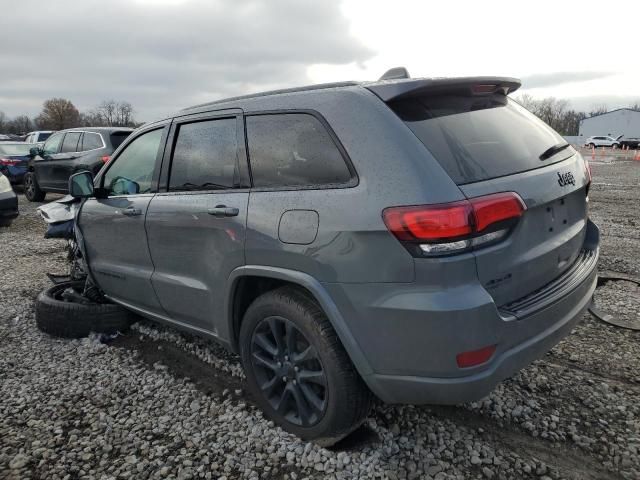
[{"x": 161, "y": 404}]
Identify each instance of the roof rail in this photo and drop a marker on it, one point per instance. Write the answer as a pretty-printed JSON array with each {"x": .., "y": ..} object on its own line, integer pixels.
[{"x": 395, "y": 74}]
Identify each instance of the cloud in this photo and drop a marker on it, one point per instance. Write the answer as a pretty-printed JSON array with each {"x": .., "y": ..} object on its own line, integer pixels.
[
  {"x": 542, "y": 80},
  {"x": 163, "y": 56}
]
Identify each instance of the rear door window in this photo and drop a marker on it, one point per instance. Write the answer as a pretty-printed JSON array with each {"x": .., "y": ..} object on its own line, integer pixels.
[
  {"x": 91, "y": 141},
  {"x": 293, "y": 150},
  {"x": 70, "y": 143},
  {"x": 477, "y": 138},
  {"x": 43, "y": 136},
  {"x": 205, "y": 156}
]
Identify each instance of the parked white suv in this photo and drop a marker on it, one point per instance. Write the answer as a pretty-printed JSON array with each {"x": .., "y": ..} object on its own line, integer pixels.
[
  {"x": 38, "y": 137},
  {"x": 603, "y": 141}
]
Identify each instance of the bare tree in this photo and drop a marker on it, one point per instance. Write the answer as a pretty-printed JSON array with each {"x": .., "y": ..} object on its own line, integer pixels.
[
  {"x": 598, "y": 110},
  {"x": 554, "y": 112},
  {"x": 3, "y": 121},
  {"x": 635, "y": 106},
  {"x": 124, "y": 114},
  {"x": 20, "y": 125},
  {"x": 58, "y": 114},
  {"x": 110, "y": 113}
]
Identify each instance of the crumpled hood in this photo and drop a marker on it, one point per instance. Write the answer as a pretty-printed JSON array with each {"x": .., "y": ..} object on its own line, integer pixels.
[{"x": 61, "y": 210}]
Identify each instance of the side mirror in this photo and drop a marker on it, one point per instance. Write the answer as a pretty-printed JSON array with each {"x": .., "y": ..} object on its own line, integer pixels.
[{"x": 81, "y": 185}]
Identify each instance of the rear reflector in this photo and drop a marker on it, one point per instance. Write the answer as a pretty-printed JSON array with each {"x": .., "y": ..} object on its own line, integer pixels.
[
  {"x": 105, "y": 158},
  {"x": 475, "y": 357},
  {"x": 447, "y": 228}
]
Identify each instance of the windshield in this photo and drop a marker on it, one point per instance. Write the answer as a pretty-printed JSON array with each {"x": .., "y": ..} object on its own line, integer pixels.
[
  {"x": 15, "y": 149},
  {"x": 476, "y": 138}
]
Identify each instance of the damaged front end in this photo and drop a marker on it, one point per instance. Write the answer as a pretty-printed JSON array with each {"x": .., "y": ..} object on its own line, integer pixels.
[{"x": 60, "y": 217}]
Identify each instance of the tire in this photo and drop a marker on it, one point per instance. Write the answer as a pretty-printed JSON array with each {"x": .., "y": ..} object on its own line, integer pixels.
[
  {"x": 341, "y": 405},
  {"x": 615, "y": 145},
  {"x": 66, "y": 319},
  {"x": 592, "y": 145},
  {"x": 5, "y": 223},
  {"x": 32, "y": 189}
]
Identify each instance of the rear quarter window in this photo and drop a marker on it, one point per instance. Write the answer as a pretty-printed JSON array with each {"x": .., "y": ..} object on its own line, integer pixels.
[
  {"x": 477, "y": 138},
  {"x": 293, "y": 150},
  {"x": 91, "y": 141}
]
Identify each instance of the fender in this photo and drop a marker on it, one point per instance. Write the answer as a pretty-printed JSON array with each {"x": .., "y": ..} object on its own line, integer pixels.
[{"x": 317, "y": 290}]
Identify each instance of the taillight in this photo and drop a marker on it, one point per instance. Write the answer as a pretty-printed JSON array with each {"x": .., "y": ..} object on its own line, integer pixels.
[
  {"x": 105, "y": 158},
  {"x": 8, "y": 162},
  {"x": 454, "y": 227}
]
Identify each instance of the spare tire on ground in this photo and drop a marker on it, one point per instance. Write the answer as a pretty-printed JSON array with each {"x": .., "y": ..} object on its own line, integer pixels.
[{"x": 63, "y": 313}]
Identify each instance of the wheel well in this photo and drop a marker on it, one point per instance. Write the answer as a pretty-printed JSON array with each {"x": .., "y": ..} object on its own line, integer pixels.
[{"x": 247, "y": 290}]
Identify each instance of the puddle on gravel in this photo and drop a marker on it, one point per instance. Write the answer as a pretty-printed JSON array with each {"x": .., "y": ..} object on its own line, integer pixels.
[{"x": 618, "y": 302}]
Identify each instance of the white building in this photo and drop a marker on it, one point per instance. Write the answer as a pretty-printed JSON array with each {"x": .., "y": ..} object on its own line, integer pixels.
[{"x": 622, "y": 121}]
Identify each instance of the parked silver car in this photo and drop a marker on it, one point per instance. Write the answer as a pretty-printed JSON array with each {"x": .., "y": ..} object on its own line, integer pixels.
[{"x": 418, "y": 239}]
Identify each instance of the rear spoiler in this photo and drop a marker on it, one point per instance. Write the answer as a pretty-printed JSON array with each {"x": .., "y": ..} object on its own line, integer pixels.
[{"x": 398, "y": 89}]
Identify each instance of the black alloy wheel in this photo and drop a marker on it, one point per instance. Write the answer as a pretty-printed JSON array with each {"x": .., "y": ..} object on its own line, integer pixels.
[{"x": 288, "y": 371}]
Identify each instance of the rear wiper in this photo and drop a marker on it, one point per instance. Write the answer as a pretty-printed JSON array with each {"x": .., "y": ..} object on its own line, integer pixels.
[{"x": 551, "y": 151}]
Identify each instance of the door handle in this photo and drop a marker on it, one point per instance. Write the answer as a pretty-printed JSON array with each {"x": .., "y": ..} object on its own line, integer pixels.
[
  {"x": 131, "y": 212},
  {"x": 223, "y": 211}
]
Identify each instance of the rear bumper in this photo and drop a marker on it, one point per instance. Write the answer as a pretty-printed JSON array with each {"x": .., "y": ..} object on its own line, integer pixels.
[
  {"x": 414, "y": 389},
  {"x": 410, "y": 337},
  {"x": 14, "y": 174},
  {"x": 8, "y": 206}
]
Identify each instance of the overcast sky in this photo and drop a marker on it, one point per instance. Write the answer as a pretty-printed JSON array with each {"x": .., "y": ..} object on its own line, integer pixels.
[{"x": 163, "y": 55}]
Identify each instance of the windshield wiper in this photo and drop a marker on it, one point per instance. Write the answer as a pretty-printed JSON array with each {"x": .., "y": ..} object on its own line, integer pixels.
[{"x": 551, "y": 151}]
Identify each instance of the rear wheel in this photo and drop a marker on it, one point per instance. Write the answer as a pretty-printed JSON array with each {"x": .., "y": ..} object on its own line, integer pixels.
[
  {"x": 32, "y": 189},
  {"x": 297, "y": 369},
  {"x": 592, "y": 145}
]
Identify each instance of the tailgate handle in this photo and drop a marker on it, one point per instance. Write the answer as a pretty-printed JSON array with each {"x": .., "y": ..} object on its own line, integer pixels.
[{"x": 223, "y": 211}]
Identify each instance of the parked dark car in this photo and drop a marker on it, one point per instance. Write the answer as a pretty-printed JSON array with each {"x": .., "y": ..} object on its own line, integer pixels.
[
  {"x": 67, "y": 152},
  {"x": 631, "y": 142},
  {"x": 418, "y": 239},
  {"x": 14, "y": 159},
  {"x": 8, "y": 202}
]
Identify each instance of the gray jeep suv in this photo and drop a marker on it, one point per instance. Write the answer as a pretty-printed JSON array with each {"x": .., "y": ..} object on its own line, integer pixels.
[{"x": 418, "y": 239}]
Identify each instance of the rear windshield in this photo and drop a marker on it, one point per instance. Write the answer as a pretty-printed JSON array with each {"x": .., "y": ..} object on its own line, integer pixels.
[
  {"x": 118, "y": 137},
  {"x": 43, "y": 136},
  {"x": 478, "y": 138},
  {"x": 12, "y": 149}
]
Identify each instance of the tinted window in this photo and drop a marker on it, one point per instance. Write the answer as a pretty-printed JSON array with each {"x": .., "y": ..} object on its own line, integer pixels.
[
  {"x": 91, "y": 141},
  {"x": 43, "y": 136},
  {"x": 52, "y": 145},
  {"x": 117, "y": 138},
  {"x": 481, "y": 137},
  {"x": 70, "y": 143},
  {"x": 204, "y": 157},
  {"x": 132, "y": 171},
  {"x": 293, "y": 150}
]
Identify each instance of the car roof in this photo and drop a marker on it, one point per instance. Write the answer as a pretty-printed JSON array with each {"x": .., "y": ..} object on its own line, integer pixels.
[
  {"x": 387, "y": 90},
  {"x": 97, "y": 129}
]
